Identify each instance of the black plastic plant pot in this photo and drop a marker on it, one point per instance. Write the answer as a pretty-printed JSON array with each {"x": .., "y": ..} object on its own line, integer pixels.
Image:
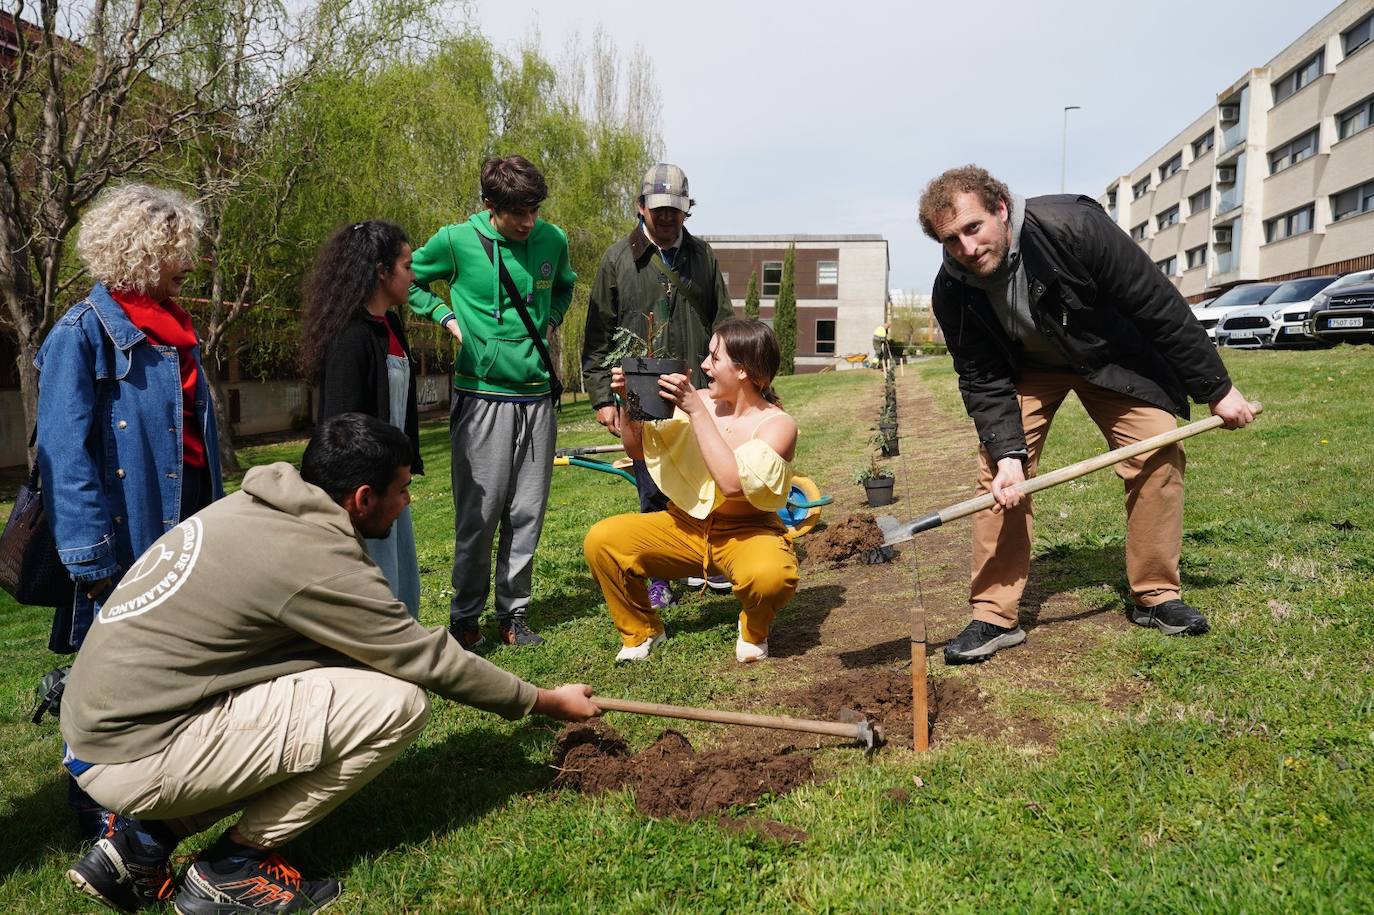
[
  {"x": 641, "y": 385},
  {"x": 879, "y": 491},
  {"x": 890, "y": 448}
]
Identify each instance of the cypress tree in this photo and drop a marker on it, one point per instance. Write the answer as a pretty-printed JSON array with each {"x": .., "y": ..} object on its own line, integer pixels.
[
  {"x": 785, "y": 314},
  {"x": 751, "y": 298}
]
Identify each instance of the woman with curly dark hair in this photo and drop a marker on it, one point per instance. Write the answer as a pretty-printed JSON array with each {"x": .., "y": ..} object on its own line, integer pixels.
[{"x": 354, "y": 346}]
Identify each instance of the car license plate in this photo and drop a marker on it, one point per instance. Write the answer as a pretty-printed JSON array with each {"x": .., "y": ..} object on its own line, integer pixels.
[
  {"x": 1241, "y": 336},
  {"x": 1290, "y": 330},
  {"x": 1345, "y": 322}
]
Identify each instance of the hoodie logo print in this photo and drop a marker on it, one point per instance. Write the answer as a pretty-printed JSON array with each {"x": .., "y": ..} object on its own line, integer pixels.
[{"x": 158, "y": 574}]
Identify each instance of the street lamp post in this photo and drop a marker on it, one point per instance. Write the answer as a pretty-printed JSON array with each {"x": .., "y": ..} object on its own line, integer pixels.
[{"x": 1064, "y": 155}]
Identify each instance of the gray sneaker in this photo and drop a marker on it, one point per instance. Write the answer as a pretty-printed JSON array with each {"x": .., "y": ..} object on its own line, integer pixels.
[
  {"x": 1173, "y": 617},
  {"x": 980, "y": 641}
]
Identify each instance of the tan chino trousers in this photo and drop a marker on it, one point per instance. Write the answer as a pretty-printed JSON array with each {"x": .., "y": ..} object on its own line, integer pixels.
[
  {"x": 1154, "y": 498},
  {"x": 286, "y": 752}
]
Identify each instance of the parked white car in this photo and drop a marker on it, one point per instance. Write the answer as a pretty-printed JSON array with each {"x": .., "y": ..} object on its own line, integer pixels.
[
  {"x": 1233, "y": 299},
  {"x": 1269, "y": 323}
]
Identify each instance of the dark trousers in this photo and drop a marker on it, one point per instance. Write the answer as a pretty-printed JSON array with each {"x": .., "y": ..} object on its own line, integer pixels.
[{"x": 651, "y": 498}]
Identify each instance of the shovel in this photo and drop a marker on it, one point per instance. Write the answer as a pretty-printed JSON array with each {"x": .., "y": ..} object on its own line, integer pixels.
[
  {"x": 857, "y": 728},
  {"x": 895, "y": 532}
]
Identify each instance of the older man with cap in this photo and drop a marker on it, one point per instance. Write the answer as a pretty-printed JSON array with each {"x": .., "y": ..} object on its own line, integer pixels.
[{"x": 662, "y": 269}]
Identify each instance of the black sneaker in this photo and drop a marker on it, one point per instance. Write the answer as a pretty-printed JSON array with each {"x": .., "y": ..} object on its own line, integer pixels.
[
  {"x": 269, "y": 885},
  {"x": 518, "y": 632},
  {"x": 469, "y": 636},
  {"x": 117, "y": 872},
  {"x": 980, "y": 641},
  {"x": 1173, "y": 617}
]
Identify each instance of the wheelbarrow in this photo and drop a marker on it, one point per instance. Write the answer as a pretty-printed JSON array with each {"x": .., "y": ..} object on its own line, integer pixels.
[{"x": 801, "y": 513}]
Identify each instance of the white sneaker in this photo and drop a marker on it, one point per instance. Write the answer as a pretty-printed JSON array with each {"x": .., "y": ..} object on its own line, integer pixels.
[
  {"x": 641, "y": 651},
  {"x": 717, "y": 583},
  {"x": 748, "y": 652}
]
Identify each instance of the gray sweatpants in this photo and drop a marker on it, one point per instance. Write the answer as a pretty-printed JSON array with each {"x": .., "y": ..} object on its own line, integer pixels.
[{"x": 502, "y": 466}]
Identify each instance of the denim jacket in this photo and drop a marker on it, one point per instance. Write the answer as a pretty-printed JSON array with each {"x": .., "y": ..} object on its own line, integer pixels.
[{"x": 110, "y": 446}]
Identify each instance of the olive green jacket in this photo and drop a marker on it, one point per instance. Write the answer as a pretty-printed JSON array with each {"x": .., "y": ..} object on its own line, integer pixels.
[{"x": 628, "y": 287}]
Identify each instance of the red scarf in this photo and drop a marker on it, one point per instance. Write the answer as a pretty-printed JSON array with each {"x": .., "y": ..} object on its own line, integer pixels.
[{"x": 165, "y": 324}]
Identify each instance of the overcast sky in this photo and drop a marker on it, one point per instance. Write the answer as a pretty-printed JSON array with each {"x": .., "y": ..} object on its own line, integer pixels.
[{"x": 830, "y": 118}]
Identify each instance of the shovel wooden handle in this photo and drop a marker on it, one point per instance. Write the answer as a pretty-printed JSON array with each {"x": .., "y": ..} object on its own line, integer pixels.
[
  {"x": 854, "y": 731},
  {"x": 1062, "y": 475}
]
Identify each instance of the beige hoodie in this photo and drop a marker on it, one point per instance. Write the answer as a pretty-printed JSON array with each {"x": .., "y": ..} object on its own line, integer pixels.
[{"x": 270, "y": 581}]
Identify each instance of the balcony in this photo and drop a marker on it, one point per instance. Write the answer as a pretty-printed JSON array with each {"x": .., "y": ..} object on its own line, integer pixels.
[
  {"x": 1231, "y": 137},
  {"x": 1228, "y": 201},
  {"x": 1226, "y": 262}
]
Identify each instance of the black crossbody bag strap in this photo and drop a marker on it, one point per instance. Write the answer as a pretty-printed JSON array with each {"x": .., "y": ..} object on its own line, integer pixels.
[{"x": 513, "y": 291}]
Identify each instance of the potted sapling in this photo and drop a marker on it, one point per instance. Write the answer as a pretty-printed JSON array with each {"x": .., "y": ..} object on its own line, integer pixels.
[
  {"x": 644, "y": 361},
  {"x": 877, "y": 482}
]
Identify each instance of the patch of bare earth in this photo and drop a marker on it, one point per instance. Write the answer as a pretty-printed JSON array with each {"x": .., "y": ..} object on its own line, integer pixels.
[
  {"x": 846, "y": 637},
  {"x": 670, "y": 778}
]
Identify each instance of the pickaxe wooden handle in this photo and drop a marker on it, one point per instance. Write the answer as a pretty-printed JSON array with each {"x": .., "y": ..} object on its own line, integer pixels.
[
  {"x": 905, "y": 532},
  {"x": 863, "y": 731}
]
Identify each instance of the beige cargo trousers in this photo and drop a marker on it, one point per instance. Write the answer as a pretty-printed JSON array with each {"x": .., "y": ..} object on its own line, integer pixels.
[{"x": 286, "y": 752}]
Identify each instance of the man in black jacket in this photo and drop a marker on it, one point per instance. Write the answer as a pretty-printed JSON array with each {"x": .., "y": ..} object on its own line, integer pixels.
[{"x": 1038, "y": 298}]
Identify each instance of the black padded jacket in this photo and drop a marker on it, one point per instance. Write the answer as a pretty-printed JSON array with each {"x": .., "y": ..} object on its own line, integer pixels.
[{"x": 1099, "y": 298}]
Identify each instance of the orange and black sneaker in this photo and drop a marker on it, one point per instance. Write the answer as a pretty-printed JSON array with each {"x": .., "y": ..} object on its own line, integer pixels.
[
  {"x": 268, "y": 885},
  {"x": 119, "y": 872},
  {"x": 468, "y": 635},
  {"x": 517, "y": 632}
]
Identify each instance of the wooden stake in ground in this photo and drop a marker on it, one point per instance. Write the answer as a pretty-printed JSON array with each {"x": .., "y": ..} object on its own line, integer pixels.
[{"x": 920, "y": 714}]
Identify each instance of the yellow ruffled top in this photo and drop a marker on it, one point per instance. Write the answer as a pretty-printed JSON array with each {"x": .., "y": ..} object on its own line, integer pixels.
[{"x": 675, "y": 462}]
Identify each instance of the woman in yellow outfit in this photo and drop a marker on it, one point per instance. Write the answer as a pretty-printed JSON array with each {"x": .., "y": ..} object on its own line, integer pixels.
[{"x": 724, "y": 461}]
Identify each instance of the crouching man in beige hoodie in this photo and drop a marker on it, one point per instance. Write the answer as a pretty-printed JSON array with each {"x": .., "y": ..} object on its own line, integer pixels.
[{"x": 255, "y": 659}]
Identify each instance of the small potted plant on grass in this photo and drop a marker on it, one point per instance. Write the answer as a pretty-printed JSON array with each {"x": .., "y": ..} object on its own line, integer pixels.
[
  {"x": 877, "y": 482},
  {"x": 644, "y": 361}
]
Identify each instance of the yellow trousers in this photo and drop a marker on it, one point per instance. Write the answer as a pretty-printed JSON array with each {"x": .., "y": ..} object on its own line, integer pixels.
[{"x": 751, "y": 550}]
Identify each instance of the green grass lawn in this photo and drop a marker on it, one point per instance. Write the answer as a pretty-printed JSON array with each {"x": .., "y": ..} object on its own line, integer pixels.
[{"x": 1238, "y": 778}]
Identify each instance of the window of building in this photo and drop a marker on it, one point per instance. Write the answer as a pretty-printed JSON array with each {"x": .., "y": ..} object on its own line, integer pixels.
[
  {"x": 1167, "y": 265},
  {"x": 1200, "y": 202},
  {"x": 1358, "y": 35},
  {"x": 1352, "y": 120},
  {"x": 827, "y": 273},
  {"x": 725, "y": 278},
  {"x": 1140, "y": 187},
  {"x": 825, "y": 337},
  {"x": 1171, "y": 168},
  {"x": 1353, "y": 202},
  {"x": 1294, "y": 222},
  {"x": 1197, "y": 257},
  {"x": 1298, "y": 77},
  {"x": 1167, "y": 218},
  {"x": 1203, "y": 144},
  {"x": 1111, "y": 199},
  {"x": 1138, "y": 233},
  {"x": 772, "y": 278},
  {"x": 1293, "y": 152}
]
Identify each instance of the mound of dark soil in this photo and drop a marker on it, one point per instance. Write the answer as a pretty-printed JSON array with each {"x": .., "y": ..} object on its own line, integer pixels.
[
  {"x": 884, "y": 696},
  {"x": 670, "y": 778},
  {"x": 851, "y": 538}
]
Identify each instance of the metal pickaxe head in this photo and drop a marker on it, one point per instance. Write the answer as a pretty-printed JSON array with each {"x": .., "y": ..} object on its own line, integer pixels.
[{"x": 865, "y": 731}]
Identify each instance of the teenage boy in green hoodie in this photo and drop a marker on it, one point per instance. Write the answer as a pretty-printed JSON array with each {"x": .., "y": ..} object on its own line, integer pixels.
[{"x": 501, "y": 420}]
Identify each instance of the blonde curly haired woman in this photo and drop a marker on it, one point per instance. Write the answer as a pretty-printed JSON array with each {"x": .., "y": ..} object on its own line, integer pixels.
[{"x": 127, "y": 445}]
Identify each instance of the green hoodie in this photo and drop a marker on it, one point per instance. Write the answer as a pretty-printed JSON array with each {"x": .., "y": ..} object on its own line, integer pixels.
[{"x": 497, "y": 356}]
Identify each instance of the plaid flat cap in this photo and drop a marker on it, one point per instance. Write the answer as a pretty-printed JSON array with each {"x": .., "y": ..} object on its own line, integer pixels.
[{"x": 665, "y": 185}]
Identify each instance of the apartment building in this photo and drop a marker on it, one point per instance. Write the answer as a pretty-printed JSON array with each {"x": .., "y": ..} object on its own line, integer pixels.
[
  {"x": 1275, "y": 180},
  {"x": 840, "y": 282}
]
